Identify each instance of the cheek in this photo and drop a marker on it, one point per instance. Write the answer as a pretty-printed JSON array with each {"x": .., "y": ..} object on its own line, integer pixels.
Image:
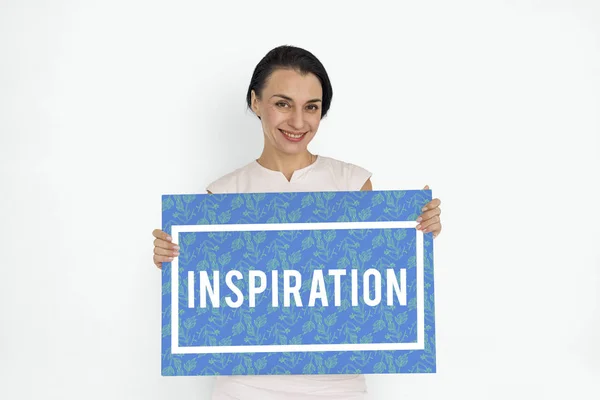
[
  {"x": 314, "y": 121},
  {"x": 274, "y": 114},
  {"x": 272, "y": 118}
]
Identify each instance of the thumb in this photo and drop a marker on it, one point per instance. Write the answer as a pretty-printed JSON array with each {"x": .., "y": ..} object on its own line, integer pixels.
[{"x": 426, "y": 187}]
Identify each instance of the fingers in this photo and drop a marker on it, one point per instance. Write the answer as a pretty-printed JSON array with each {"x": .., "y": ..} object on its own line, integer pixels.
[
  {"x": 163, "y": 255},
  {"x": 157, "y": 233},
  {"x": 427, "y": 225},
  {"x": 165, "y": 245},
  {"x": 429, "y": 220},
  {"x": 431, "y": 215},
  {"x": 432, "y": 204},
  {"x": 160, "y": 251},
  {"x": 427, "y": 215},
  {"x": 435, "y": 229},
  {"x": 158, "y": 260},
  {"x": 163, "y": 240},
  {"x": 164, "y": 250}
]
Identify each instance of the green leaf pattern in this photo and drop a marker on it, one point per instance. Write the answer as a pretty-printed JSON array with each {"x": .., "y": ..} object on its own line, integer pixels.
[{"x": 304, "y": 251}]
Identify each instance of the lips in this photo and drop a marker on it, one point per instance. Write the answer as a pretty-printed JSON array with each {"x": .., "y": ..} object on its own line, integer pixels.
[{"x": 293, "y": 136}]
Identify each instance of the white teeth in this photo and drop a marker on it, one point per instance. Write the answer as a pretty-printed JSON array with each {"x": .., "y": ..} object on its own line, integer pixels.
[{"x": 292, "y": 135}]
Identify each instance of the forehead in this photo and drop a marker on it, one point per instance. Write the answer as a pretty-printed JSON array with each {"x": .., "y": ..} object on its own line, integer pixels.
[{"x": 293, "y": 84}]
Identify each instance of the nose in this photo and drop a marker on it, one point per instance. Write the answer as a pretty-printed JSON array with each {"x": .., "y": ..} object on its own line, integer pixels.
[{"x": 296, "y": 120}]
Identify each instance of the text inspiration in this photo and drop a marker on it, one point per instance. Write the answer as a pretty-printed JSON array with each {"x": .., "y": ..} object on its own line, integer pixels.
[{"x": 374, "y": 286}]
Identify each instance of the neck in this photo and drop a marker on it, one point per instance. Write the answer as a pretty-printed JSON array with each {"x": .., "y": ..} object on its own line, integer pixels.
[{"x": 285, "y": 163}]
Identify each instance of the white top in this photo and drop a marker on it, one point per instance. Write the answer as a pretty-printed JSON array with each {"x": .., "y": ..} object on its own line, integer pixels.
[{"x": 325, "y": 174}]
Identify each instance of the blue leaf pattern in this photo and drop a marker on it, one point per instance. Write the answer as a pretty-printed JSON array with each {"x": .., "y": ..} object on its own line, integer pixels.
[{"x": 304, "y": 251}]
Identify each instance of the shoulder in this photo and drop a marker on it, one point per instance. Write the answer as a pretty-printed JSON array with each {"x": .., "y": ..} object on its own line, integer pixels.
[
  {"x": 230, "y": 182},
  {"x": 353, "y": 175}
]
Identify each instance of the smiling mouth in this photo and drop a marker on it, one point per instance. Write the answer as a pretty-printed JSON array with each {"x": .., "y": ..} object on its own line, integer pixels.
[{"x": 293, "y": 135}]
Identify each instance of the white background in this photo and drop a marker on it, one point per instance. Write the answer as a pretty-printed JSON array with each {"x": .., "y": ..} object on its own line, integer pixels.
[{"x": 106, "y": 105}]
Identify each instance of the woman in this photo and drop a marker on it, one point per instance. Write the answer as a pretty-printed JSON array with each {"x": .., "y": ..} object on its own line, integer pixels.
[{"x": 290, "y": 93}]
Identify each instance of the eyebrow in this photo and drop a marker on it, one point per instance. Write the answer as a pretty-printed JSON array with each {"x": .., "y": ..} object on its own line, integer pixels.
[{"x": 290, "y": 99}]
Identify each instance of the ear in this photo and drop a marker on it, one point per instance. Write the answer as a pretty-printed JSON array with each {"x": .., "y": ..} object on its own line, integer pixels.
[{"x": 254, "y": 102}]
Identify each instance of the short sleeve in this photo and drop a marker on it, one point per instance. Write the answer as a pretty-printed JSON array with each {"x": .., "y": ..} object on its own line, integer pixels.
[
  {"x": 234, "y": 182},
  {"x": 357, "y": 176},
  {"x": 225, "y": 184},
  {"x": 213, "y": 187}
]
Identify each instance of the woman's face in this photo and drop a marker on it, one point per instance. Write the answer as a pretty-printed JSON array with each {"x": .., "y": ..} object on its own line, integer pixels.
[{"x": 290, "y": 110}]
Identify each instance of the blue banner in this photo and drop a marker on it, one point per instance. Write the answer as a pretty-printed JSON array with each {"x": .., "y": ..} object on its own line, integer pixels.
[{"x": 298, "y": 283}]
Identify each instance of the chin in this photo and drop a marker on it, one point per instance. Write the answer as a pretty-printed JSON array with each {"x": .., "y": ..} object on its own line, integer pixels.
[{"x": 292, "y": 150}]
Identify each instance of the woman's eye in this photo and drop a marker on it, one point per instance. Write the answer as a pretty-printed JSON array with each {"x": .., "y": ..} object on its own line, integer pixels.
[
  {"x": 313, "y": 107},
  {"x": 281, "y": 104}
]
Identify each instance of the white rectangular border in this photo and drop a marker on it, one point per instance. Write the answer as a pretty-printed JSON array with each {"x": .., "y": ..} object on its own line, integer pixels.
[{"x": 177, "y": 229}]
